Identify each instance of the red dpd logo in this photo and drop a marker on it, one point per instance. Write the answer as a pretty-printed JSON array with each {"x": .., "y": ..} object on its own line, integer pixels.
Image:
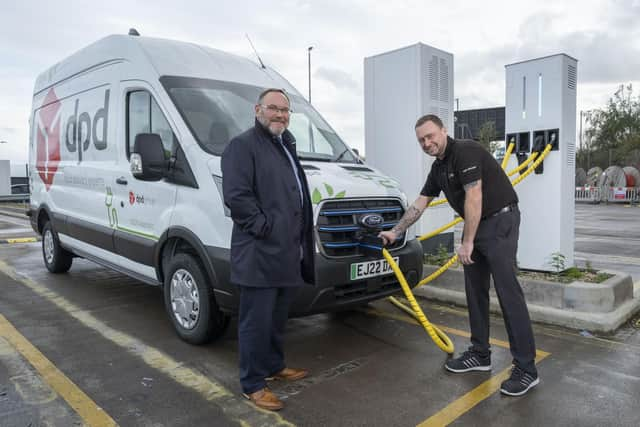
[
  {"x": 132, "y": 197},
  {"x": 48, "y": 152}
]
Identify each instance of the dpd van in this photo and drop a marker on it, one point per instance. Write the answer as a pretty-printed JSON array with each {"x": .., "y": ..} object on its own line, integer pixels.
[{"x": 125, "y": 144}]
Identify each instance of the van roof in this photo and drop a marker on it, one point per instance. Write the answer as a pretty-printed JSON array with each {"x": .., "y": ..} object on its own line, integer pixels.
[{"x": 162, "y": 57}]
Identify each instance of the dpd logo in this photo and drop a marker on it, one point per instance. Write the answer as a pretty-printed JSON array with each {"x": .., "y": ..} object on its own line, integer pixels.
[
  {"x": 135, "y": 198},
  {"x": 81, "y": 128},
  {"x": 48, "y": 136}
]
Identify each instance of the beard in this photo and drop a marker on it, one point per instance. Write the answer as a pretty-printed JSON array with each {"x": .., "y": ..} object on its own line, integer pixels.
[{"x": 272, "y": 126}]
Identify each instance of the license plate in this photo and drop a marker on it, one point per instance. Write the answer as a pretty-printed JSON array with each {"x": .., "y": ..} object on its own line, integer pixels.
[{"x": 379, "y": 267}]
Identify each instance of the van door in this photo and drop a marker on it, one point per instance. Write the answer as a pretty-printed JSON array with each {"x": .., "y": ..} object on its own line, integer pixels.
[{"x": 141, "y": 209}]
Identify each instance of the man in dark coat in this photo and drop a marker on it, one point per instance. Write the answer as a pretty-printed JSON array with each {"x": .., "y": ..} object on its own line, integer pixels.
[{"x": 272, "y": 250}]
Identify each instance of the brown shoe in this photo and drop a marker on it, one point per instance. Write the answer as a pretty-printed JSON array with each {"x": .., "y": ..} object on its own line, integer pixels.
[
  {"x": 265, "y": 399},
  {"x": 289, "y": 374}
]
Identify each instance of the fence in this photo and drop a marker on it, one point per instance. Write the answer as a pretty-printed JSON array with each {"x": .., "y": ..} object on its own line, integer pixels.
[
  {"x": 607, "y": 194},
  {"x": 588, "y": 194}
]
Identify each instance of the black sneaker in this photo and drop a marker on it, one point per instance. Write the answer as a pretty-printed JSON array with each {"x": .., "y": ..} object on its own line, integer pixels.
[
  {"x": 519, "y": 382},
  {"x": 468, "y": 361}
]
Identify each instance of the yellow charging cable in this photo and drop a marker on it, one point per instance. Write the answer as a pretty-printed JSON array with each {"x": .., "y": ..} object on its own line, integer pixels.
[
  {"x": 439, "y": 202},
  {"x": 437, "y": 335},
  {"x": 524, "y": 164},
  {"x": 535, "y": 164},
  {"x": 505, "y": 160},
  {"x": 440, "y": 338},
  {"x": 440, "y": 230}
]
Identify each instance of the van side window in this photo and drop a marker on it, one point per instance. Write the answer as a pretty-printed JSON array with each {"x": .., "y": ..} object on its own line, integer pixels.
[{"x": 144, "y": 116}]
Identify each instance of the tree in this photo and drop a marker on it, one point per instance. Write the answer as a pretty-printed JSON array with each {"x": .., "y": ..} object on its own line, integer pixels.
[
  {"x": 615, "y": 130},
  {"x": 487, "y": 134}
]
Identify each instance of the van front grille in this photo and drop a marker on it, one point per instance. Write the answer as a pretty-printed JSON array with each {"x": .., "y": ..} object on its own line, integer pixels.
[
  {"x": 338, "y": 224},
  {"x": 363, "y": 288}
]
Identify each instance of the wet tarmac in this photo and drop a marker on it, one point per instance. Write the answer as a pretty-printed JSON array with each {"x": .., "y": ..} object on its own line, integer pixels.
[{"x": 95, "y": 347}]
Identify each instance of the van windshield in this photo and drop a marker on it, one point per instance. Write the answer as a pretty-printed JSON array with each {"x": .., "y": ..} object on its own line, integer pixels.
[{"x": 217, "y": 111}]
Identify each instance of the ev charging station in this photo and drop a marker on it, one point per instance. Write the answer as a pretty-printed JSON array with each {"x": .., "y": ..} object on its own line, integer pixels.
[
  {"x": 540, "y": 110},
  {"x": 400, "y": 86}
]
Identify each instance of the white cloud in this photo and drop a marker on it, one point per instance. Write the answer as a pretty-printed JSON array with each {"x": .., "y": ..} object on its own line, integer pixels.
[{"x": 603, "y": 35}]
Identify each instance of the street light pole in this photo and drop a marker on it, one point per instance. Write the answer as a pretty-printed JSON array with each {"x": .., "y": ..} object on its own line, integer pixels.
[{"x": 309, "y": 60}]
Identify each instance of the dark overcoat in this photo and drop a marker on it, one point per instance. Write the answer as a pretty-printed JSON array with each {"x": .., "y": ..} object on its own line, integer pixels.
[{"x": 270, "y": 224}]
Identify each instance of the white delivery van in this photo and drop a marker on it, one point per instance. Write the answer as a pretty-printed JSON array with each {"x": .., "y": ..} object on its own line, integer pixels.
[{"x": 152, "y": 208}]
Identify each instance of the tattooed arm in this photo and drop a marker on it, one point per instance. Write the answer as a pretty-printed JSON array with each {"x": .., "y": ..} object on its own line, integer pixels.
[{"x": 408, "y": 219}]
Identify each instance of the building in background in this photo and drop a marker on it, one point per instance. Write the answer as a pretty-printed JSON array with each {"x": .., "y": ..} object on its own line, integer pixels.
[{"x": 469, "y": 122}]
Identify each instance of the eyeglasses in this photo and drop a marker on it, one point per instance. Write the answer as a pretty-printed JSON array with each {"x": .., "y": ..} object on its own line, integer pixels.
[{"x": 275, "y": 109}]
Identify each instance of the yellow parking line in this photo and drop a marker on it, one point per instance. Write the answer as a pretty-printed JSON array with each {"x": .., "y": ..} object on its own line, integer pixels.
[
  {"x": 233, "y": 406},
  {"x": 19, "y": 240},
  {"x": 458, "y": 407},
  {"x": 463, "y": 404},
  {"x": 411, "y": 320},
  {"x": 91, "y": 413}
]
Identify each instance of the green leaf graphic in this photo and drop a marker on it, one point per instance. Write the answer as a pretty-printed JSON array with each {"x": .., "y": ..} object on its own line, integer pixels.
[
  {"x": 341, "y": 194},
  {"x": 329, "y": 189},
  {"x": 316, "y": 196}
]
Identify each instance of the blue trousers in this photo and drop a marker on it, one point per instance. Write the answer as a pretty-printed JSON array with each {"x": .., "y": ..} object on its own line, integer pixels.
[{"x": 262, "y": 319}]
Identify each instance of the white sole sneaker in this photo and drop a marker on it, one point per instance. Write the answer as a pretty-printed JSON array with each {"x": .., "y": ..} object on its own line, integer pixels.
[
  {"x": 520, "y": 393},
  {"x": 473, "y": 368}
]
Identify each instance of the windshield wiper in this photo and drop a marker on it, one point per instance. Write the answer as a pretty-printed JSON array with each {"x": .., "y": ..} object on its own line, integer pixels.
[
  {"x": 337, "y": 159},
  {"x": 316, "y": 159}
]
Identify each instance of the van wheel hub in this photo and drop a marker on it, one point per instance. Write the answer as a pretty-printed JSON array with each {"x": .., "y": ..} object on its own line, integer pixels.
[
  {"x": 185, "y": 300},
  {"x": 48, "y": 246}
]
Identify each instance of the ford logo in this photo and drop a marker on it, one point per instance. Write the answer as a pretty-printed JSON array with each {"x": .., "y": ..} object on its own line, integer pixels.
[{"x": 371, "y": 220}]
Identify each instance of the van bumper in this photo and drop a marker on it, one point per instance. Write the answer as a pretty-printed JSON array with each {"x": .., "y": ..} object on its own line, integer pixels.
[{"x": 334, "y": 290}]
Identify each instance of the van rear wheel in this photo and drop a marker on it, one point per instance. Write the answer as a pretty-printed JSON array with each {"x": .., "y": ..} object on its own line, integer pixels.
[
  {"x": 56, "y": 258},
  {"x": 190, "y": 301}
]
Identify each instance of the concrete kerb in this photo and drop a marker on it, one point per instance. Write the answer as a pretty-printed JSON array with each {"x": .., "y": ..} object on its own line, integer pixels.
[{"x": 601, "y": 307}]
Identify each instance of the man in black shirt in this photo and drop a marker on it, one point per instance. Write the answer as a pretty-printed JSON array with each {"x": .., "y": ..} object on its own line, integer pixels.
[{"x": 481, "y": 193}]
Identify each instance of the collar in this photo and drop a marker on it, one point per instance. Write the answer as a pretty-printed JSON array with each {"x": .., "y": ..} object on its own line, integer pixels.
[
  {"x": 287, "y": 136},
  {"x": 447, "y": 151}
]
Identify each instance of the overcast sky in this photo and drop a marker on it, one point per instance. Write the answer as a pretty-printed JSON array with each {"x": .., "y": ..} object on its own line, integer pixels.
[{"x": 604, "y": 35}]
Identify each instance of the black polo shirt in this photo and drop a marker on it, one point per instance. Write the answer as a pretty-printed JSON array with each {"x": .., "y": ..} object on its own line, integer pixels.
[{"x": 465, "y": 162}]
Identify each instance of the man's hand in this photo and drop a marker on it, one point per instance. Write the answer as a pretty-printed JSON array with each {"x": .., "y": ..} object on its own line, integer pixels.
[
  {"x": 388, "y": 237},
  {"x": 464, "y": 253}
]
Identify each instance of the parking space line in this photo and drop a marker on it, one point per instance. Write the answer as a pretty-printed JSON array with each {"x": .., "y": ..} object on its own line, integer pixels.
[
  {"x": 407, "y": 319},
  {"x": 3, "y": 218},
  {"x": 540, "y": 354},
  {"x": 233, "y": 406},
  {"x": 464, "y": 403},
  {"x": 91, "y": 413},
  {"x": 20, "y": 240},
  {"x": 458, "y": 407}
]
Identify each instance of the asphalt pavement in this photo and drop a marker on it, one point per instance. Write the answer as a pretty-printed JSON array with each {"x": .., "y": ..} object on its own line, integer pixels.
[{"x": 94, "y": 347}]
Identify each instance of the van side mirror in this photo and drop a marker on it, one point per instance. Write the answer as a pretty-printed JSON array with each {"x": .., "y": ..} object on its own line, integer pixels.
[
  {"x": 147, "y": 160},
  {"x": 359, "y": 158}
]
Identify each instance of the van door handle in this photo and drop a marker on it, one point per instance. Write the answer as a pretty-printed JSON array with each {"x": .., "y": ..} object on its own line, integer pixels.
[{"x": 122, "y": 180}]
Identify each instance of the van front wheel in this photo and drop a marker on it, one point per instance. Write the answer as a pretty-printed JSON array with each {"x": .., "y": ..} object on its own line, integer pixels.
[
  {"x": 56, "y": 258},
  {"x": 190, "y": 301}
]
